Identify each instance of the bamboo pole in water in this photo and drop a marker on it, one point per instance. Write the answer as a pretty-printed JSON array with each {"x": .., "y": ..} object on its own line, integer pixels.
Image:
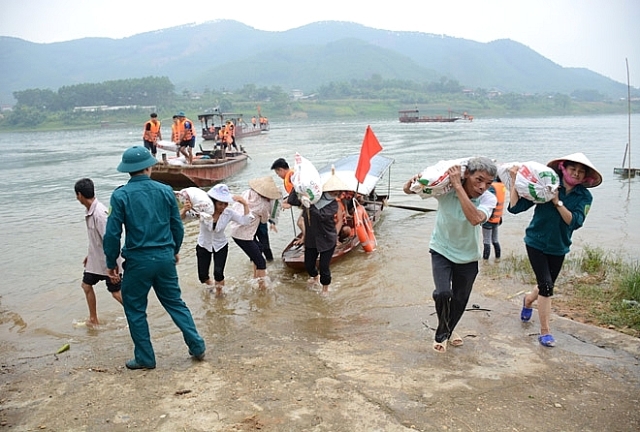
[{"x": 629, "y": 124}]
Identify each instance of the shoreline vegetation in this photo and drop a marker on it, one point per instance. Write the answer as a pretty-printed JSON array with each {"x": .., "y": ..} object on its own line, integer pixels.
[
  {"x": 594, "y": 287},
  {"x": 507, "y": 106}
]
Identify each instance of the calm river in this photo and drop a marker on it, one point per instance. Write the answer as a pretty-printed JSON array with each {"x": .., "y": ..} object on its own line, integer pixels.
[{"x": 44, "y": 238}]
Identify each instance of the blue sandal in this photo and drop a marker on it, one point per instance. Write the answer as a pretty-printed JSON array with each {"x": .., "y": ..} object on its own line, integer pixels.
[
  {"x": 525, "y": 314},
  {"x": 547, "y": 340}
]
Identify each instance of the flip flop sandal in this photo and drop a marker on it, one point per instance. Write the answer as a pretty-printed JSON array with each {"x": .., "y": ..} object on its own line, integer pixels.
[
  {"x": 440, "y": 347},
  {"x": 525, "y": 314},
  {"x": 547, "y": 340},
  {"x": 456, "y": 340}
]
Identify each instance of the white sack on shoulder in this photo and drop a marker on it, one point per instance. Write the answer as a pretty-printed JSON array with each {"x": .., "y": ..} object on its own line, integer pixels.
[
  {"x": 200, "y": 201},
  {"x": 306, "y": 180},
  {"x": 434, "y": 180},
  {"x": 534, "y": 181}
]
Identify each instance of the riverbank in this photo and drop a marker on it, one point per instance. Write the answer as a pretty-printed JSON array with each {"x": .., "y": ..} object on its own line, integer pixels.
[{"x": 374, "y": 372}]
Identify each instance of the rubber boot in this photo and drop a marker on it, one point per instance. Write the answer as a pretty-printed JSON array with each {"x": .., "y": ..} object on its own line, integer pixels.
[
  {"x": 486, "y": 252},
  {"x": 496, "y": 247}
]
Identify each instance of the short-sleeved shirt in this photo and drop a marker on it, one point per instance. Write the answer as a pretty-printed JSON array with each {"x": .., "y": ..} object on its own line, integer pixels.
[
  {"x": 96, "y": 220},
  {"x": 453, "y": 236}
]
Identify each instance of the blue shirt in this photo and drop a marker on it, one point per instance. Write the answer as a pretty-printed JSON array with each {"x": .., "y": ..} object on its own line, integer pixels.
[
  {"x": 149, "y": 212},
  {"x": 547, "y": 231}
]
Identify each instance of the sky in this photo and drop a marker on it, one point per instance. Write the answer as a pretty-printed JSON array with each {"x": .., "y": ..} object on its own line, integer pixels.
[{"x": 600, "y": 35}]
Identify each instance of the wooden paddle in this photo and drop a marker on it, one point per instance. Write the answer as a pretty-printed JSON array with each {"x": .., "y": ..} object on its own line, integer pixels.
[
  {"x": 421, "y": 209},
  {"x": 388, "y": 204}
]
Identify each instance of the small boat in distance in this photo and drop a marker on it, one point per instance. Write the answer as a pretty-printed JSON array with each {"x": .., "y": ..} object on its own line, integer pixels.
[
  {"x": 413, "y": 116},
  {"x": 213, "y": 121},
  {"x": 372, "y": 202}
]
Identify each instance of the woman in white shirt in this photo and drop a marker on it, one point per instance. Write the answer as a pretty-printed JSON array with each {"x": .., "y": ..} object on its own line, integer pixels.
[{"x": 212, "y": 241}]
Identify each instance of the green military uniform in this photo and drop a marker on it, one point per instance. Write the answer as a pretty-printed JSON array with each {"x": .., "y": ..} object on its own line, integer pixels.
[{"x": 153, "y": 235}]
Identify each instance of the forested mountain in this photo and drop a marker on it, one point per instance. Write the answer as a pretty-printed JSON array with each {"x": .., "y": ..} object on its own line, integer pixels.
[{"x": 228, "y": 54}]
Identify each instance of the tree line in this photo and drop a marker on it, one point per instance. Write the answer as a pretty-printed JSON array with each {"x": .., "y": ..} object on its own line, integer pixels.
[{"x": 37, "y": 106}]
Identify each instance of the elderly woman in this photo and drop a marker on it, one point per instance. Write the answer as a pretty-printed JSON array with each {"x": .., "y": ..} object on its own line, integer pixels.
[
  {"x": 454, "y": 245},
  {"x": 548, "y": 236},
  {"x": 260, "y": 197}
]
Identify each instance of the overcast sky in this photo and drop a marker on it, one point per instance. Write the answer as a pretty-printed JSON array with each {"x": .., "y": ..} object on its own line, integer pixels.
[{"x": 594, "y": 34}]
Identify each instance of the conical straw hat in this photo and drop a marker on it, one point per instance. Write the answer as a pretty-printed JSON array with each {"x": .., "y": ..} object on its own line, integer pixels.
[
  {"x": 266, "y": 187},
  {"x": 593, "y": 177},
  {"x": 334, "y": 183}
]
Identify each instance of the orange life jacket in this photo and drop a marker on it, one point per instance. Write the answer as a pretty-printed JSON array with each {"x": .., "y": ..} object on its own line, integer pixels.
[
  {"x": 185, "y": 133},
  {"x": 151, "y": 130},
  {"x": 175, "y": 132},
  {"x": 288, "y": 185},
  {"x": 500, "y": 191}
]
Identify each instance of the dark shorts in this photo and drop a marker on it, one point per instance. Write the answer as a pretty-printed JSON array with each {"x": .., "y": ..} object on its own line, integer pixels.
[
  {"x": 92, "y": 279},
  {"x": 151, "y": 146},
  {"x": 189, "y": 143}
]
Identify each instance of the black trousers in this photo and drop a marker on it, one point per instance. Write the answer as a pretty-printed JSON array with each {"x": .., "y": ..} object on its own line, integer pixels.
[{"x": 453, "y": 284}]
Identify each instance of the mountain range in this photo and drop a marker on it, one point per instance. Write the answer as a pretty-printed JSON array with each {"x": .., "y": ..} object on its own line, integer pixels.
[{"x": 226, "y": 54}]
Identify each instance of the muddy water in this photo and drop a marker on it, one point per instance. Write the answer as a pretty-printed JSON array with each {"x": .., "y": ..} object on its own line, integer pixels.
[{"x": 44, "y": 240}]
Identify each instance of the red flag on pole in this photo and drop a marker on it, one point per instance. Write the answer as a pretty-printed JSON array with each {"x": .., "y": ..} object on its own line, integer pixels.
[{"x": 370, "y": 147}]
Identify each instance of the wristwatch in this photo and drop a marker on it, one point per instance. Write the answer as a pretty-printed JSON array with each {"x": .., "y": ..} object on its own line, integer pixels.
[{"x": 560, "y": 204}]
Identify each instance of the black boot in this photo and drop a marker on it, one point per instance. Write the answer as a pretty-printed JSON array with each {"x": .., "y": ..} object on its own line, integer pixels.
[
  {"x": 486, "y": 252},
  {"x": 496, "y": 247}
]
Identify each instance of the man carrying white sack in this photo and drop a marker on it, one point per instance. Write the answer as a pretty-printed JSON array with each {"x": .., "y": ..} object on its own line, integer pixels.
[
  {"x": 455, "y": 242},
  {"x": 548, "y": 236}
]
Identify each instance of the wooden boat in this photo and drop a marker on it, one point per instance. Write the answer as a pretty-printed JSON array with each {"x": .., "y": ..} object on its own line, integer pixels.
[
  {"x": 212, "y": 122},
  {"x": 374, "y": 203},
  {"x": 413, "y": 116},
  {"x": 209, "y": 168}
]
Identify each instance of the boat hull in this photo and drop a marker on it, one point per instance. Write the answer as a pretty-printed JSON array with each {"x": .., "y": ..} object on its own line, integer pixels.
[
  {"x": 203, "y": 172},
  {"x": 293, "y": 255}
]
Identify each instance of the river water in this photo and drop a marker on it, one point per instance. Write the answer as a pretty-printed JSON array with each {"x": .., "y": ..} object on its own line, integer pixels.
[{"x": 44, "y": 236}]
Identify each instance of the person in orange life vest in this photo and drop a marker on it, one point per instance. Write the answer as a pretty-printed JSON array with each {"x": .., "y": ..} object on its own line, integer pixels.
[
  {"x": 232, "y": 132},
  {"x": 282, "y": 170},
  {"x": 152, "y": 134},
  {"x": 490, "y": 227},
  {"x": 187, "y": 136},
  {"x": 175, "y": 133}
]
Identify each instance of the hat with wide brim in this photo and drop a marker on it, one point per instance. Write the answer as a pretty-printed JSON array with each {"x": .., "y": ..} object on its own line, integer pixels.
[
  {"x": 266, "y": 187},
  {"x": 334, "y": 183},
  {"x": 181, "y": 114},
  {"x": 593, "y": 177},
  {"x": 135, "y": 159},
  {"x": 220, "y": 192}
]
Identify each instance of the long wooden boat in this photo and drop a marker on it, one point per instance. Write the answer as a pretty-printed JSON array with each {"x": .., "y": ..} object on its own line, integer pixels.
[
  {"x": 413, "y": 116},
  {"x": 374, "y": 203},
  {"x": 212, "y": 122},
  {"x": 207, "y": 169}
]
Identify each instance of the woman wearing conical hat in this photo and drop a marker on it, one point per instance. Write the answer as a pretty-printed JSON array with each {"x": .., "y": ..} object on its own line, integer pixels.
[
  {"x": 548, "y": 236},
  {"x": 321, "y": 231},
  {"x": 260, "y": 197}
]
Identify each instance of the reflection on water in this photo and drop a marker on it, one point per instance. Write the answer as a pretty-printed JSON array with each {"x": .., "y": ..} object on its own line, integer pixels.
[{"x": 44, "y": 236}]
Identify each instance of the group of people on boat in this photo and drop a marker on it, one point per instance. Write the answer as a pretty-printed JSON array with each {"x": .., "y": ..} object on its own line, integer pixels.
[{"x": 260, "y": 121}]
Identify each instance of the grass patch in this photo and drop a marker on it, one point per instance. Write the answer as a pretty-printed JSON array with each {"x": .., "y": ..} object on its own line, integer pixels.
[{"x": 593, "y": 287}]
